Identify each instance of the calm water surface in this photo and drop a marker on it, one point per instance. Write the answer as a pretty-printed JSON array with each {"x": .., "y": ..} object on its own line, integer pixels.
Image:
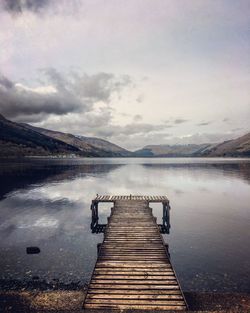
[{"x": 46, "y": 203}]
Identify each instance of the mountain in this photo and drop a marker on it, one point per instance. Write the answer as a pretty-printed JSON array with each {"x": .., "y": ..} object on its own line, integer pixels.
[
  {"x": 106, "y": 145},
  {"x": 239, "y": 147},
  {"x": 173, "y": 150},
  {"x": 17, "y": 140},
  {"x": 231, "y": 148},
  {"x": 93, "y": 146}
]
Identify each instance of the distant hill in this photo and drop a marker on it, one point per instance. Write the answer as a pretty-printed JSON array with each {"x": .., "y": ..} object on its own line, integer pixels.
[
  {"x": 173, "y": 150},
  {"x": 17, "y": 140},
  {"x": 90, "y": 145},
  {"x": 231, "y": 148},
  {"x": 239, "y": 147},
  {"x": 106, "y": 145}
]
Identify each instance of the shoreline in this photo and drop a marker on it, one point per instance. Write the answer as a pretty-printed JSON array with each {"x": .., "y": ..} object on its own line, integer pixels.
[
  {"x": 66, "y": 301},
  {"x": 69, "y": 157}
]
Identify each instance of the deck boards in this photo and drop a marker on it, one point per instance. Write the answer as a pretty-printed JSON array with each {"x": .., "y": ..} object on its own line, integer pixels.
[
  {"x": 109, "y": 198},
  {"x": 133, "y": 270}
]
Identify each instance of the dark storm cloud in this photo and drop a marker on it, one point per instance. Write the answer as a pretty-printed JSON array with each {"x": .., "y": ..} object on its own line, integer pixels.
[
  {"x": 64, "y": 94},
  {"x": 180, "y": 121},
  {"x": 16, "y": 102},
  {"x": 19, "y": 6},
  {"x": 5, "y": 82}
]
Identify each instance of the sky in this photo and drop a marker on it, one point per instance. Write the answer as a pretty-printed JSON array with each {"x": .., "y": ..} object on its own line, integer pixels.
[{"x": 135, "y": 72}]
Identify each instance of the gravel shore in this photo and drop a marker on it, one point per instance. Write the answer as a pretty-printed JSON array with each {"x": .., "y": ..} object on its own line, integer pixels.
[{"x": 71, "y": 301}]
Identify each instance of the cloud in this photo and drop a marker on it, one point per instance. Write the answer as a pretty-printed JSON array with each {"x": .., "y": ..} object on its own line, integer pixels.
[
  {"x": 204, "y": 123},
  {"x": 96, "y": 87},
  {"x": 5, "y": 82},
  {"x": 237, "y": 129},
  {"x": 180, "y": 121},
  {"x": 100, "y": 124},
  {"x": 199, "y": 57},
  {"x": 110, "y": 130},
  {"x": 140, "y": 98},
  {"x": 19, "y": 6},
  {"x": 60, "y": 94},
  {"x": 137, "y": 141},
  {"x": 200, "y": 138},
  {"x": 137, "y": 118},
  {"x": 19, "y": 103}
]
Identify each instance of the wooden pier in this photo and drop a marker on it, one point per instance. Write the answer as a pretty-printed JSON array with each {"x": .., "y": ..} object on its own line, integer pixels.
[{"x": 133, "y": 270}]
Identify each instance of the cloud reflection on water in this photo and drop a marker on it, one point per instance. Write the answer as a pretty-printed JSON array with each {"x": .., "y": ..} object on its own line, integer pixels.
[{"x": 47, "y": 205}]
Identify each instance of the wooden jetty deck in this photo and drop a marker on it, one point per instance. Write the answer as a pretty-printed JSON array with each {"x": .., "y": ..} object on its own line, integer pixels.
[{"x": 133, "y": 270}]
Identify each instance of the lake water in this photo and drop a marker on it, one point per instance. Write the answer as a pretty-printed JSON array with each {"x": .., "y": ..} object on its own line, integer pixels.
[{"x": 46, "y": 203}]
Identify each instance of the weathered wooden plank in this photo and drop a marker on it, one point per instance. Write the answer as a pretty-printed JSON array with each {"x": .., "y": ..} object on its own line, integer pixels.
[
  {"x": 135, "y": 296},
  {"x": 143, "y": 281},
  {"x": 132, "y": 239},
  {"x": 140, "y": 292},
  {"x": 135, "y": 307},
  {"x": 146, "y": 235},
  {"x": 134, "y": 286},
  {"x": 137, "y": 267},
  {"x": 149, "y": 270},
  {"x": 134, "y": 277},
  {"x": 132, "y": 257},
  {"x": 131, "y": 246},
  {"x": 134, "y": 269},
  {"x": 132, "y": 198},
  {"x": 136, "y": 301},
  {"x": 141, "y": 264},
  {"x": 130, "y": 249},
  {"x": 130, "y": 274},
  {"x": 143, "y": 225},
  {"x": 136, "y": 230},
  {"x": 132, "y": 253},
  {"x": 136, "y": 243}
]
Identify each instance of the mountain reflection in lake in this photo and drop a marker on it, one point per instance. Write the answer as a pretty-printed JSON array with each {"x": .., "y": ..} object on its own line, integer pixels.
[{"x": 46, "y": 203}]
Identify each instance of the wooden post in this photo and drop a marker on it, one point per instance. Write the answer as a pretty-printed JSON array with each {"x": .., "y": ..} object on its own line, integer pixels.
[
  {"x": 95, "y": 217},
  {"x": 166, "y": 217}
]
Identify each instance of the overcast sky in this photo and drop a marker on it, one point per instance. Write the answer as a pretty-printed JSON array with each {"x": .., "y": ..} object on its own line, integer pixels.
[{"x": 135, "y": 72}]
